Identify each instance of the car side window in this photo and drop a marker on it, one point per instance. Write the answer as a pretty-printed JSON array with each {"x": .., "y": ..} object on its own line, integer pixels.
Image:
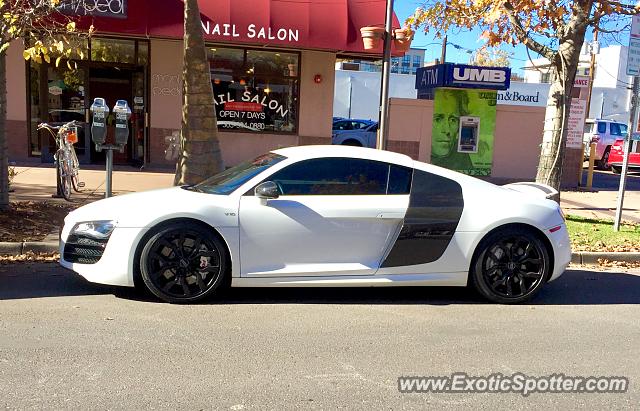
[
  {"x": 602, "y": 127},
  {"x": 334, "y": 176},
  {"x": 615, "y": 129},
  {"x": 342, "y": 125},
  {"x": 400, "y": 180},
  {"x": 623, "y": 129}
]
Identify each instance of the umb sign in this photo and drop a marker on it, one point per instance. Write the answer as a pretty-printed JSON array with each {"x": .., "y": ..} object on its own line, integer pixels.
[
  {"x": 633, "y": 57},
  {"x": 463, "y": 76},
  {"x": 496, "y": 78}
]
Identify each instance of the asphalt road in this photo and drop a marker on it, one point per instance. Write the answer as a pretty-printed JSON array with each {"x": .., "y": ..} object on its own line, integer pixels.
[
  {"x": 65, "y": 343},
  {"x": 608, "y": 181}
]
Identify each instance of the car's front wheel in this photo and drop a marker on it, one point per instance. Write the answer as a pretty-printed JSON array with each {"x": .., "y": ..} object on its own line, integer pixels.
[
  {"x": 183, "y": 263},
  {"x": 511, "y": 266}
]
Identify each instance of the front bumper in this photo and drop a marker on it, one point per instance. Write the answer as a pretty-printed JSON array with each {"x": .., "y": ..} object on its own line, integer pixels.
[{"x": 115, "y": 264}]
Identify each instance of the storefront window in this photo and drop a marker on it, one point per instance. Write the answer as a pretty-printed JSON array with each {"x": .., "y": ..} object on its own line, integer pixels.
[
  {"x": 34, "y": 107},
  {"x": 61, "y": 91},
  {"x": 113, "y": 50},
  {"x": 255, "y": 90},
  {"x": 143, "y": 53}
]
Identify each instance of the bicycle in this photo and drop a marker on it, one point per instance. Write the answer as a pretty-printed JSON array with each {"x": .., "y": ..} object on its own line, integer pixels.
[{"x": 67, "y": 165}]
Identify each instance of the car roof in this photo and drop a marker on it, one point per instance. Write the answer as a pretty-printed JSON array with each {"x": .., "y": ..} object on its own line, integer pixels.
[
  {"x": 304, "y": 152},
  {"x": 604, "y": 120}
]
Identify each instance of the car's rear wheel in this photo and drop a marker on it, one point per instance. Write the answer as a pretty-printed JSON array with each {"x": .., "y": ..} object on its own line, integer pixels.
[
  {"x": 511, "y": 266},
  {"x": 183, "y": 263},
  {"x": 603, "y": 164}
]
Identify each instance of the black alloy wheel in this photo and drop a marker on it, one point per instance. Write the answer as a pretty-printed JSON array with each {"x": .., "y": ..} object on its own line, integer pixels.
[
  {"x": 183, "y": 263},
  {"x": 512, "y": 266}
]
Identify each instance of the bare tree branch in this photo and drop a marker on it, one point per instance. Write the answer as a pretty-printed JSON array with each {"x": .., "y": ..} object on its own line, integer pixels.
[{"x": 523, "y": 36}]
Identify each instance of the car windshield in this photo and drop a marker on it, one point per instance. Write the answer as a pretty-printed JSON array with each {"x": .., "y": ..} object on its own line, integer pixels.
[{"x": 229, "y": 180}]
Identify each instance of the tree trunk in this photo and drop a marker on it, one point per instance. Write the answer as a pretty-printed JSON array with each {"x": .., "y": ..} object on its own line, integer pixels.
[
  {"x": 4, "y": 160},
  {"x": 565, "y": 63},
  {"x": 200, "y": 155}
]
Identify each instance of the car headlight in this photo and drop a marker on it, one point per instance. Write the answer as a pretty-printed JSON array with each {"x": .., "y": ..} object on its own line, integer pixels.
[{"x": 95, "y": 229}]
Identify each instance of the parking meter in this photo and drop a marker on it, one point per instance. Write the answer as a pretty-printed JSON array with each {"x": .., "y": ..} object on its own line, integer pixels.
[
  {"x": 99, "y": 113},
  {"x": 122, "y": 112}
]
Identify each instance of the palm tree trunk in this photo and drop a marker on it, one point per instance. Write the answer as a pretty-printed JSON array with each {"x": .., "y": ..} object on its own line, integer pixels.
[
  {"x": 200, "y": 155},
  {"x": 4, "y": 160}
]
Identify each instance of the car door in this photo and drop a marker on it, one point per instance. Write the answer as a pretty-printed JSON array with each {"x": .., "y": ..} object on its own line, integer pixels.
[{"x": 335, "y": 216}]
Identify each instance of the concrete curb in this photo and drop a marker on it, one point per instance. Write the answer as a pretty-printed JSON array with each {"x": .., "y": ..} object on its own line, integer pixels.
[
  {"x": 16, "y": 248},
  {"x": 585, "y": 257}
]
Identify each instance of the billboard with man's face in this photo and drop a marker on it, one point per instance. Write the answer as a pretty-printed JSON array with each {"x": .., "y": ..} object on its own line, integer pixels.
[{"x": 464, "y": 122}]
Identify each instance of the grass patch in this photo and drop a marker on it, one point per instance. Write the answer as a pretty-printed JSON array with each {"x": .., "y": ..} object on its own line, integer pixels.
[{"x": 589, "y": 234}]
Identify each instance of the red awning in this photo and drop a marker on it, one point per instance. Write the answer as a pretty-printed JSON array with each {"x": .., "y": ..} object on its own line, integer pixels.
[{"x": 332, "y": 25}]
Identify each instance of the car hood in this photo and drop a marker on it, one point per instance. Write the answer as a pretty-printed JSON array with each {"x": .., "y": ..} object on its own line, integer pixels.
[{"x": 144, "y": 209}]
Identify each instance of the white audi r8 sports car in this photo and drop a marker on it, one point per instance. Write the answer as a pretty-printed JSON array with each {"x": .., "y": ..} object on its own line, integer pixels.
[{"x": 323, "y": 216}]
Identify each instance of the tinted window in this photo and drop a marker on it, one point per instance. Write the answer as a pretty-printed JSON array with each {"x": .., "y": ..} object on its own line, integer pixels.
[
  {"x": 342, "y": 125},
  {"x": 227, "y": 181},
  {"x": 602, "y": 127},
  {"x": 399, "y": 180},
  {"x": 615, "y": 129},
  {"x": 588, "y": 127},
  {"x": 623, "y": 129},
  {"x": 333, "y": 176}
]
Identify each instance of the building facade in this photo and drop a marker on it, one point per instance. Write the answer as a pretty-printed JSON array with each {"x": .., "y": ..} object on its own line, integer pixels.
[
  {"x": 272, "y": 73},
  {"x": 610, "y": 96},
  {"x": 407, "y": 64}
]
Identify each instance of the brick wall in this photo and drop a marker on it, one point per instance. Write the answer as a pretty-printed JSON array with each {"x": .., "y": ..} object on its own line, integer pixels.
[
  {"x": 17, "y": 140},
  {"x": 410, "y": 148}
]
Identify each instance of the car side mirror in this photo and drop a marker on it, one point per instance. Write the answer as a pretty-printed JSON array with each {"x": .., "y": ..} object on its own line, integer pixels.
[{"x": 267, "y": 190}]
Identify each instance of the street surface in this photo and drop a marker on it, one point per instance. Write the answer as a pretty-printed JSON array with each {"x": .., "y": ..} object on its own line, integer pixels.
[{"x": 68, "y": 344}]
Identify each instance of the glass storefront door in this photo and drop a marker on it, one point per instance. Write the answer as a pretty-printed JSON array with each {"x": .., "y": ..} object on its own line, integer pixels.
[{"x": 115, "y": 69}]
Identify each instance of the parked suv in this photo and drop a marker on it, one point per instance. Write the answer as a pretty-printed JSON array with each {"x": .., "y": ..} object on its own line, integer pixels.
[{"x": 604, "y": 133}]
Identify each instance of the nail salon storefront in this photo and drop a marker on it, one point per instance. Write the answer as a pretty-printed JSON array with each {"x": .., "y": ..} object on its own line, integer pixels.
[{"x": 272, "y": 70}]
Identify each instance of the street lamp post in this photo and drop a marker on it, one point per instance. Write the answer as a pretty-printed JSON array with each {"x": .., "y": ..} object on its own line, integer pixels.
[{"x": 383, "y": 124}]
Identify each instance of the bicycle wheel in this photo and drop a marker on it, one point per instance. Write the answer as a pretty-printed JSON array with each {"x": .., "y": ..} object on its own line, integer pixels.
[
  {"x": 64, "y": 174},
  {"x": 75, "y": 170}
]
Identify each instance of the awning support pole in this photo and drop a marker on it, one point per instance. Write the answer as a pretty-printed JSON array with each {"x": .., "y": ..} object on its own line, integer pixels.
[{"x": 383, "y": 125}]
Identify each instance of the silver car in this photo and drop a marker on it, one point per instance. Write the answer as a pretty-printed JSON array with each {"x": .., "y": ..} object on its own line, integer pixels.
[{"x": 360, "y": 133}]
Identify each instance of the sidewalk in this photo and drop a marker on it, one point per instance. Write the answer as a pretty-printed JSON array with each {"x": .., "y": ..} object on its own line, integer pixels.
[{"x": 38, "y": 183}]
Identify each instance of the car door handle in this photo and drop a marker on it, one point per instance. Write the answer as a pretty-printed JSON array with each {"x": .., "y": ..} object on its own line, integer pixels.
[{"x": 391, "y": 216}]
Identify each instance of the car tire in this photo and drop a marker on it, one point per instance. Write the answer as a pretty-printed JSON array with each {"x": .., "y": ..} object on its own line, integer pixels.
[
  {"x": 510, "y": 266},
  {"x": 603, "y": 164},
  {"x": 352, "y": 142},
  {"x": 183, "y": 263}
]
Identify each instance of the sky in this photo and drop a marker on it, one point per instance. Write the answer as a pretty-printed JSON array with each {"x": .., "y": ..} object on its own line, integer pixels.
[{"x": 469, "y": 41}]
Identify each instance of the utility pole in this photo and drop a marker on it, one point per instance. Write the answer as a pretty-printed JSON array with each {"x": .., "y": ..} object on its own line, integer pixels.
[
  {"x": 633, "y": 69},
  {"x": 592, "y": 65},
  {"x": 443, "y": 52},
  {"x": 633, "y": 126},
  {"x": 383, "y": 125}
]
